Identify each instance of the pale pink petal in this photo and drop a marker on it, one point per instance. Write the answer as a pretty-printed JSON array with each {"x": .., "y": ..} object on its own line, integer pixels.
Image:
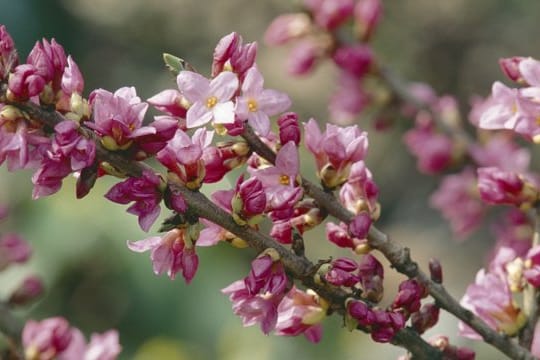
[
  {"x": 224, "y": 86},
  {"x": 193, "y": 86},
  {"x": 273, "y": 102},
  {"x": 530, "y": 71},
  {"x": 210, "y": 236},
  {"x": 253, "y": 82},
  {"x": 144, "y": 245},
  {"x": 260, "y": 122},
  {"x": 287, "y": 159},
  {"x": 313, "y": 136},
  {"x": 224, "y": 113},
  {"x": 162, "y": 259},
  {"x": 197, "y": 115}
]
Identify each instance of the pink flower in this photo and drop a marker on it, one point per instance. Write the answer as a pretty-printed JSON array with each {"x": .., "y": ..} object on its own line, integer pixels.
[
  {"x": 510, "y": 67},
  {"x": 173, "y": 252},
  {"x": 170, "y": 102},
  {"x": 210, "y": 99},
  {"x": 500, "y": 151},
  {"x": 118, "y": 117},
  {"x": 303, "y": 57},
  {"x": 13, "y": 249},
  {"x": 512, "y": 109},
  {"x": 284, "y": 172},
  {"x": 458, "y": 200},
  {"x": 289, "y": 129},
  {"x": 330, "y": 14},
  {"x": 532, "y": 266},
  {"x": 341, "y": 272},
  {"x": 249, "y": 201},
  {"x": 69, "y": 143},
  {"x": 47, "y": 339},
  {"x": 339, "y": 235},
  {"x": 529, "y": 69},
  {"x": 371, "y": 276},
  {"x": 335, "y": 150},
  {"x": 300, "y": 312},
  {"x": 504, "y": 187},
  {"x": 49, "y": 60},
  {"x": 103, "y": 346},
  {"x": 256, "y": 298},
  {"x": 72, "y": 80},
  {"x": 490, "y": 299},
  {"x": 231, "y": 55},
  {"x": 257, "y": 104},
  {"x": 145, "y": 192},
  {"x": 183, "y": 156},
  {"x": 356, "y": 60},
  {"x": 27, "y": 292},
  {"x": 8, "y": 54},
  {"x": 220, "y": 159},
  {"x": 287, "y": 27},
  {"x": 25, "y": 82},
  {"x": 360, "y": 224},
  {"x": 360, "y": 192},
  {"x": 367, "y": 14},
  {"x": 348, "y": 100}
]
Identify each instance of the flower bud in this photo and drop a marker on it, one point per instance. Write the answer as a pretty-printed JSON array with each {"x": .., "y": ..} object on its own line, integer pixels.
[
  {"x": 510, "y": 67},
  {"x": 359, "y": 226},
  {"x": 27, "y": 292},
  {"x": 425, "y": 318},
  {"x": 25, "y": 82},
  {"x": 504, "y": 187},
  {"x": 287, "y": 27},
  {"x": 435, "y": 271},
  {"x": 340, "y": 272},
  {"x": 367, "y": 14},
  {"x": 249, "y": 200},
  {"x": 8, "y": 54},
  {"x": 13, "y": 249},
  {"x": 371, "y": 276},
  {"x": 289, "y": 130},
  {"x": 355, "y": 60},
  {"x": 329, "y": 17},
  {"x": 409, "y": 296}
]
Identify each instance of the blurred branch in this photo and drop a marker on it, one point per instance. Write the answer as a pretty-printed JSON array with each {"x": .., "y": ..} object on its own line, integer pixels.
[{"x": 400, "y": 259}]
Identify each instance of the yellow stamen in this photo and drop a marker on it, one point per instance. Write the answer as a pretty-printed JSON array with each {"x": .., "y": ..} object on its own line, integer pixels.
[
  {"x": 284, "y": 180},
  {"x": 211, "y": 102},
  {"x": 252, "y": 105}
]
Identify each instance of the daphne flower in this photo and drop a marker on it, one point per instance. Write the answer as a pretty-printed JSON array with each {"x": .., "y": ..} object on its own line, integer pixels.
[
  {"x": 257, "y": 104},
  {"x": 171, "y": 253},
  {"x": 210, "y": 99}
]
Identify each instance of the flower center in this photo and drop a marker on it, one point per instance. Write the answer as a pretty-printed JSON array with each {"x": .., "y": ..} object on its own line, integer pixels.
[
  {"x": 284, "y": 179},
  {"x": 252, "y": 105},
  {"x": 211, "y": 102}
]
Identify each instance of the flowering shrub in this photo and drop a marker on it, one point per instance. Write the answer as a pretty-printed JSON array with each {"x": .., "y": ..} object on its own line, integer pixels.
[{"x": 210, "y": 125}]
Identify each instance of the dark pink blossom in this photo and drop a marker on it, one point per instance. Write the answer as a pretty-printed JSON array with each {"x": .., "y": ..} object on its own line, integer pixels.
[
  {"x": 222, "y": 158},
  {"x": 289, "y": 129},
  {"x": 209, "y": 99},
  {"x": 69, "y": 143},
  {"x": 48, "y": 178},
  {"x": 339, "y": 235},
  {"x": 341, "y": 272},
  {"x": 50, "y": 60},
  {"x": 170, "y": 102},
  {"x": 367, "y": 14},
  {"x": 409, "y": 296},
  {"x": 27, "y": 292},
  {"x": 8, "y": 54},
  {"x": 356, "y": 59},
  {"x": 359, "y": 225},
  {"x": 47, "y": 339},
  {"x": 285, "y": 171},
  {"x": 510, "y": 67},
  {"x": 425, "y": 318},
  {"x": 303, "y": 57},
  {"x": 231, "y": 54},
  {"x": 146, "y": 194},
  {"x": 370, "y": 277},
  {"x": 532, "y": 267},
  {"x": 25, "y": 82},
  {"x": 118, "y": 118},
  {"x": 13, "y": 249},
  {"x": 256, "y": 104},
  {"x": 173, "y": 252},
  {"x": 249, "y": 201},
  {"x": 504, "y": 187},
  {"x": 300, "y": 312},
  {"x": 256, "y": 298},
  {"x": 330, "y": 14}
]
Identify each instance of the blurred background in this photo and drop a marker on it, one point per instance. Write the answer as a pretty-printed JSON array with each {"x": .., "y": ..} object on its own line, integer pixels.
[{"x": 94, "y": 281}]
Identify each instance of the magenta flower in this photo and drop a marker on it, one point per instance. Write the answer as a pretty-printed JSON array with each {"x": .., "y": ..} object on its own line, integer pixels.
[
  {"x": 289, "y": 129},
  {"x": 8, "y": 54},
  {"x": 457, "y": 198},
  {"x": 25, "y": 82},
  {"x": 505, "y": 187},
  {"x": 335, "y": 150},
  {"x": 339, "y": 235},
  {"x": 118, "y": 117},
  {"x": 13, "y": 249},
  {"x": 256, "y": 298},
  {"x": 300, "y": 313},
  {"x": 210, "y": 99},
  {"x": 69, "y": 143},
  {"x": 220, "y": 159},
  {"x": 257, "y": 104},
  {"x": 47, "y": 339},
  {"x": 284, "y": 172},
  {"x": 231, "y": 55},
  {"x": 48, "y": 178},
  {"x": 409, "y": 297},
  {"x": 367, "y": 14},
  {"x": 510, "y": 67},
  {"x": 341, "y": 272},
  {"x": 50, "y": 60},
  {"x": 27, "y": 292},
  {"x": 183, "y": 156},
  {"x": 249, "y": 201},
  {"x": 173, "y": 252},
  {"x": 359, "y": 225},
  {"x": 371, "y": 276},
  {"x": 145, "y": 192},
  {"x": 356, "y": 60},
  {"x": 348, "y": 100},
  {"x": 532, "y": 266},
  {"x": 330, "y": 14},
  {"x": 490, "y": 299}
]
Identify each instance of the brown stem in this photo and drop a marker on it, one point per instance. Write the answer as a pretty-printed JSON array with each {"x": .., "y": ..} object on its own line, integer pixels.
[
  {"x": 400, "y": 259},
  {"x": 297, "y": 266}
]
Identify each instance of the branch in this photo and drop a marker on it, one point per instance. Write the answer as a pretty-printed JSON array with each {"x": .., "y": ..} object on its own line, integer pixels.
[
  {"x": 400, "y": 259},
  {"x": 298, "y": 266}
]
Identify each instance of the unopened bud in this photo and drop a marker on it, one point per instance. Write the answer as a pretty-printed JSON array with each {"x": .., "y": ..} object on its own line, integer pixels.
[
  {"x": 435, "y": 271},
  {"x": 27, "y": 292}
]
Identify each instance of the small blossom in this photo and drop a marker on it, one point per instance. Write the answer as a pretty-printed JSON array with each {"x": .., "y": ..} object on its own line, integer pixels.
[
  {"x": 222, "y": 158},
  {"x": 27, "y": 292},
  {"x": 510, "y": 67},
  {"x": 303, "y": 57},
  {"x": 13, "y": 249},
  {"x": 359, "y": 226},
  {"x": 285, "y": 171},
  {"x": 287, "y": 27},
  {"x": 409, "y": 296},
  {"x": 458, "y": 200},
  {"x": 330, "y": 14},
  {"x": 367, "y": 14},
  {"x": 145, "y": 192},
  {"x": 210, "y": 99},
  {"x": 341, "y": 272},
  {"x": 371, "y": 276},
  {"x": 289, "y": 129},
  {"x": 256, "y": 298},
  {"x": 249, "y": 201},
  {"x": 257, "y": 104},
  {"x": 359, "y": 194},
  {"x": 339, "y": 235},
  {"x": 50, "y": 60},
  {"x": 47, "y": 339},
  {"x": 425, "y": 318},
  {"x": 104, "y": 346},
  {"x": 25, "y": 82},
  {"x": 170, "y": 102},
  {"x": 356, "y": 60},
  {"x": 300, "y": 312},
  {"x": 348, "y": 100},
  {"x": 118, "y": 117},
  {"x": 171, "y": 253},
  {"x": 503, "y": 187},
  {"x": 231, "y": 55},
  {"x": 490, "y": 299}
]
